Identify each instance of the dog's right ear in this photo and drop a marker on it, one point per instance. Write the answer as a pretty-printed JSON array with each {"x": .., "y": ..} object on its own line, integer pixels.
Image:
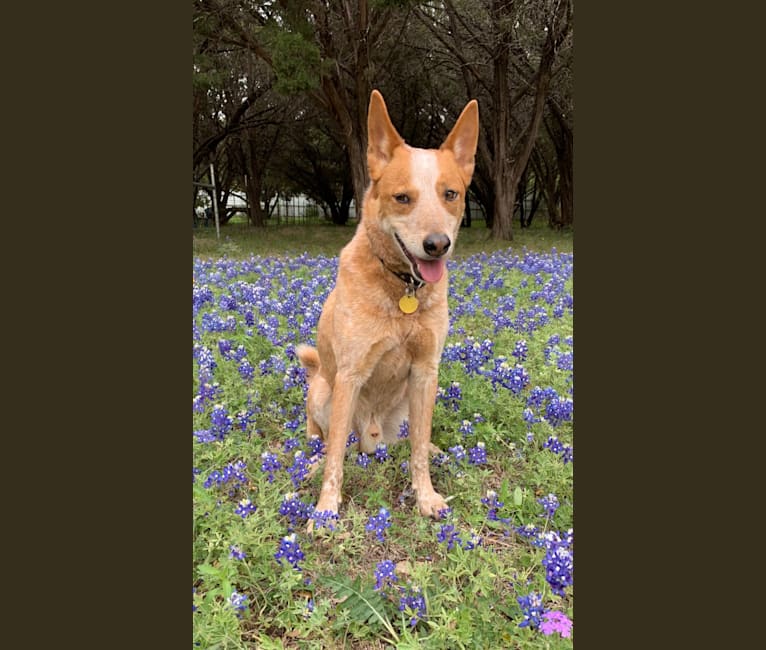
[{"x": 382, "y": 137}]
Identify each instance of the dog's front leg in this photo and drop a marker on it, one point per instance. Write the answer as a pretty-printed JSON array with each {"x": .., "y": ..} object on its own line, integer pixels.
[
  {"x": 344, "y": 396},
  {"x": 423, "y": 384}
]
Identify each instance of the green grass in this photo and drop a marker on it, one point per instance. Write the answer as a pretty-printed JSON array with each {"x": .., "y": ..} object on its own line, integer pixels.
[
  {"x": 471, "y": 595},
  {"x": 239, "y": 239}
]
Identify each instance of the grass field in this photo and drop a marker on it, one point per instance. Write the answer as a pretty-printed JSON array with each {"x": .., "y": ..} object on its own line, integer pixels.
[
  {"x": 496, "y": 571},
  {"x": 239, "y": 239}
]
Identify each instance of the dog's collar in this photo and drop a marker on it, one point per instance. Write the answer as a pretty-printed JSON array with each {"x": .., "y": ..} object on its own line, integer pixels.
[{"x": 408, "y": 279}]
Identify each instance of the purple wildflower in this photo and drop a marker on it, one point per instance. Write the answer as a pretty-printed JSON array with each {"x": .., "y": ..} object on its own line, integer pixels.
[
  {"x": 270, "y": 464},
  {"x": 447, "y": 533},
  {"x": 532, "y": 609},
  {"x": 550, "y": 503},
  {"x": 477, "y": 455},
  {"x": 378, "y": 524},
  {"x": 324, "y": 518},
  {"x": 556, "y": 622},
  {"x": 236, "y": 552},
  {"x": 362, "y": 459},
  {"x": 385, "y": 574},
  {"x": 245, "y": 508},
  {"x": 381, "y": 452},
  {"x": 238, "y": 602},
  {"x": 294, "y": 509},
  {"x": 412, "y": 599},
  {"x": 290, "y": 551},
  {"x": 300, "y": 468}
]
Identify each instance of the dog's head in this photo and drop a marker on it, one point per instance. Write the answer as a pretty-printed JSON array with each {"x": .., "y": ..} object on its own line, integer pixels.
[{"x": 418, "y": 195}]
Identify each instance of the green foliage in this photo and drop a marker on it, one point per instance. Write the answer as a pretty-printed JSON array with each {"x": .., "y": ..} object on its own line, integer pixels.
[{"x": 296, "y": 63}]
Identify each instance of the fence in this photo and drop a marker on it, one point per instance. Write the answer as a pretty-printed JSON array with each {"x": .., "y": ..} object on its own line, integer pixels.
[{"x": 297, "y": 210}]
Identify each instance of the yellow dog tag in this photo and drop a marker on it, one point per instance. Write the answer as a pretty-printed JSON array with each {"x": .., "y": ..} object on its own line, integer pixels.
[{"x": 408, "y": 304}]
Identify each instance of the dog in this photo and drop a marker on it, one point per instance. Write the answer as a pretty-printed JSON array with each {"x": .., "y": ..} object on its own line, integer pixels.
[{"x": 382, "y": 328}]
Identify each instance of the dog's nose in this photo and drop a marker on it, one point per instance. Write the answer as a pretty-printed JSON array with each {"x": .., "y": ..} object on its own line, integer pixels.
[{"x": 436, "y": 244}]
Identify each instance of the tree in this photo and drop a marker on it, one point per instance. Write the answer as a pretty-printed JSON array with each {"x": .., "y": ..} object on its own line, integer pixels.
[{"x": 506, "y": 52}]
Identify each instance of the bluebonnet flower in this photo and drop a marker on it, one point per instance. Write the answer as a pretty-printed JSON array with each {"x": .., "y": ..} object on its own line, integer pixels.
[
  {"x": 447, "y": 533},
  {"x": 316, "y": 446},
  {"x": 494, "y": 504},
  {"x": 458, "y": 452},
  {"x": 450, "y": 397},
  {"x": 239, "y": 353},
  {"x": 245, "y": 508},
  {"x": 379, "y": 523},
  {"x": 412, "y": 599},
  {"x": 290, "y": 551},
  {"x": 558, "y": 563},
  {"x": 195, "y": 471},
  {"x": 385, "y": 574},
  {"x": 520, "y": 350},
  {"x": 473, "y": 542},
  {"x": 529, "y": 531},
  {"x": 478, "y": 417},
  {"x": 236, "y": 552},
  {"x": 233, "y": 472},
  {"x": 556, "y": 622},
  {"x": 295, "y": 376},
  {"x": 567, "y": 454},
  {"x": 244, "y": 418},
  {"x": 565, "y": 361},
  {"x": 246, "y": 370},
  {"x": 352, "y": 438},
  {"x": 532, "y": 609},
  {"x": 324, "y": 518},
  {"x": 559, "y": 410},
  {"x": 209, "y": 391},
  {"x": 205, "y": 435},
  {"x": 300, "y": 468},
  {"x": 404, "y": 430},
  {"x": 290, "y": 444},
  {"x": 514, "y": 378},
  {"x": 477, "y": 455},
  {"x": 381, "y": 452},
  {"x": 294, "y": 509},
  {"x": 405, "y": 467},
  {"x": 553, "y": 444},
  {"x": 550, "y": 504},
  {"x": 466, "y": 427},
  {"x": 221, "y": 421},
  {"x": 238, "y": 602},
  {"x": 556, "y": 446},
  {"x": 362, "y": 459},
  {"x": 224, "y": 347},
  {"x": 270, "y": 464}
]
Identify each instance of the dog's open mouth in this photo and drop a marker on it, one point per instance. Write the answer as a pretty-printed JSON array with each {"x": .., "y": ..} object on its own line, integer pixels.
[{"x": 424, "y": 270}]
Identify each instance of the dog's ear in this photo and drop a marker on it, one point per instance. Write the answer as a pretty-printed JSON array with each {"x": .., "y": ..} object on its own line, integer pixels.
[
  {"x": 463, "y": 139},
  {"x": 382, "y": 137}
]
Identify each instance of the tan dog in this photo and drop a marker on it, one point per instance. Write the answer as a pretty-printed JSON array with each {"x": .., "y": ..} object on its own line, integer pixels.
[{"x": 383, "y": 326}]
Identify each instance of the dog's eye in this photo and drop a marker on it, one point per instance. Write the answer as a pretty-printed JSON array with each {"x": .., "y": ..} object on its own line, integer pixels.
[
  {"x": 401, "y": 198},
  {"x": 450, "y": 195}
]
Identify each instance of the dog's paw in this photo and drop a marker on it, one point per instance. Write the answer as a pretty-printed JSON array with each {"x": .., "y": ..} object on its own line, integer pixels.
[
  {"x": 325, "y": 512},
  {"x": 431, "y": 504}
]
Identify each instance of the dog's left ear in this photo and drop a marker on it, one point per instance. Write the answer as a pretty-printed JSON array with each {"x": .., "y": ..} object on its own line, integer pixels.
[
  {"x": 464, "y": 138},
  {"x": 382, "y": 137}
]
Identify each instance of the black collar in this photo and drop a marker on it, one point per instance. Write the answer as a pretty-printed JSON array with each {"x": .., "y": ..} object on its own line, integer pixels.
[{"x": 407, "y": 278}]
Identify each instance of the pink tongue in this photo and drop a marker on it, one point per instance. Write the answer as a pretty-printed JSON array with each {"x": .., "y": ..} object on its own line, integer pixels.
[{"x": 431, "y": 270}]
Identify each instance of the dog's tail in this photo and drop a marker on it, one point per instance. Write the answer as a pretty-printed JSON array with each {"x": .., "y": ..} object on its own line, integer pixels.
[{"x": 309, "y": 358}]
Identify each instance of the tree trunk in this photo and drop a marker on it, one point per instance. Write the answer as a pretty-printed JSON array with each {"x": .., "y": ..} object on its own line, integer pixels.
[
  {"x": 504, "y": 183},
  {"x": 253, "y": 190},
  {"x": 566, "y": 185}
]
